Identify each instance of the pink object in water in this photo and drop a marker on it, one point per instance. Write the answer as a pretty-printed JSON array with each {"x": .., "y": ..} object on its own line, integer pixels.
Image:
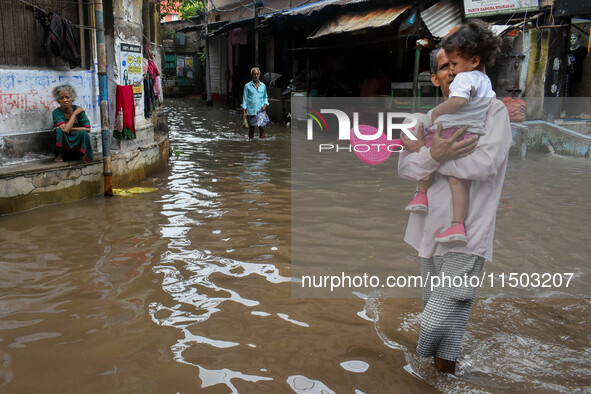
[{"x": 374, "y": 151}]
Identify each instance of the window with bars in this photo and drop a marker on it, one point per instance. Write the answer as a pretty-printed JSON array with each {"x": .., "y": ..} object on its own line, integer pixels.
[{"x": 22, "y": 35}]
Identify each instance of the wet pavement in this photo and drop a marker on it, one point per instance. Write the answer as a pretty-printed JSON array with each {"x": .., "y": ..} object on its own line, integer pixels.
[{"x": 187, "y": 289}]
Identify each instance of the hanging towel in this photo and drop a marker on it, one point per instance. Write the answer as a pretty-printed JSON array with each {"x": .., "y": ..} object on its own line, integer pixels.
[
  {"x": 60, "y": 38},
  {"x": 154, "y": 74},
  {"x": 158, "y": 90},
  {"x": 125, "y": 113},
  {"x": 153, "y": 69},
  {"x": 149, "y": 99}
]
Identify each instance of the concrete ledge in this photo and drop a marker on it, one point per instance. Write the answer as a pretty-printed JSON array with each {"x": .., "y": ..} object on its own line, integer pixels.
[
  {"x": 43, "y": 166},
  {"x": 547, "y": 137},
  {"x": 582, "y": 126},
  {"x": 144, "y": 135},
  {"x": 46, "y": 182},
  {"x": 133, "y": 166}
]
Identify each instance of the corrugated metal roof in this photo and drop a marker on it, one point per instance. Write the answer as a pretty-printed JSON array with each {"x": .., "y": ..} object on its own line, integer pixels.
[
  {"x": 368, "y": 19},
  {"x": 442, "y": 17},
  {"x": 305, "y": 10},
  {"x": 308, "y": 9}
]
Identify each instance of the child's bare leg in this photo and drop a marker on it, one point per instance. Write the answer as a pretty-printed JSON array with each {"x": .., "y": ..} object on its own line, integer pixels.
[
  {"x": 420, "y": 203},
  {"x": 424, "y": 184},
  {"x": 459, "y": 198},
  {"x": 456, "y": 234}
]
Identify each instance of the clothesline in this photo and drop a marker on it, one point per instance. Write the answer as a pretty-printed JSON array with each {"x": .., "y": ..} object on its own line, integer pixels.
[
  {"x": 84, "y": 26},
  {"x": 118, "y": 84},
  {"x": 45, "y": 11},
  {"x": 152, "y": 43},
  {"x": 83, "y": 2}
]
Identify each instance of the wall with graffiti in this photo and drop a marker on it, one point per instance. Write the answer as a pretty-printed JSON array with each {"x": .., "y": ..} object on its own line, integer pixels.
[
  {"x": 26, "y": 104},
  {"x": 26, "y": 101}
]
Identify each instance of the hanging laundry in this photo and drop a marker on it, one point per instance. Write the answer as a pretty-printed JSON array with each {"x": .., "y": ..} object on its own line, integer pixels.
[
  {"x": 153, "y": 69},
  {"x": 154, "y": 74},
  {"x": 125, "y": 113},
  {"x": 158, "y": 91},
  {"x": 149, "y": 99},
  {"x": 60, "y": 37}
]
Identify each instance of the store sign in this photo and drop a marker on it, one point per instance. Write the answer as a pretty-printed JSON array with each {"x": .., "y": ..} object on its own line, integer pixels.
[
  {"x": 473, "y": 8},
  {"x": 131, "y": 68}
]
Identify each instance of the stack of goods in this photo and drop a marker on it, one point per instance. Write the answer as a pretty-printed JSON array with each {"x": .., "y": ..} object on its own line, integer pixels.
[{"x": 516, "y": 109}]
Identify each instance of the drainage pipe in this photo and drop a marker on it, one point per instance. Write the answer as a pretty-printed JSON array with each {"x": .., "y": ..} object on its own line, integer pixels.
[{"x": 104, "y": 96}]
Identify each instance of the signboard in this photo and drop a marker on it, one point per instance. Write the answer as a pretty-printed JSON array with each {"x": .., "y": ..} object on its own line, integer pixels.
[
  {"x": 180, "y": 66},
  {"x": 189, "y": 67},
  {"x": 131, "y": 68},
  {"x": 473, "y": 8}
]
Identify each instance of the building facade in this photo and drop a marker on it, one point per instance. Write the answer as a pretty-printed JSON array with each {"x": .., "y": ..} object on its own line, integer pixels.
[
  {"x": 29, "y": 70},
  {"x": 330, "y": 47}
]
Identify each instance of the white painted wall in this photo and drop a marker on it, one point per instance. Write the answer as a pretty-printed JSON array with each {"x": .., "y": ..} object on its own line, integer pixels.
[
  {"x": 26, "y": 102},
  {"x": 140, "y": 120}
]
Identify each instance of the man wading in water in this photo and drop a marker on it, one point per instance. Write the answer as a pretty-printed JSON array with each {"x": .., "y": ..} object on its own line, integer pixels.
[
  {"x": 446, "y": 309},
  {"x": 254, "y": 104}
]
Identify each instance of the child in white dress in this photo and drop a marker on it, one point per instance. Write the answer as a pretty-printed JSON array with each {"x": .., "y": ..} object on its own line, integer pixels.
[{"x": 469, "y": 49}]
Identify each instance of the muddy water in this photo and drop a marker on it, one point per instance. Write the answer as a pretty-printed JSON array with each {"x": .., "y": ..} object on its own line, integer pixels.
[{"x": 187, "y": 289}]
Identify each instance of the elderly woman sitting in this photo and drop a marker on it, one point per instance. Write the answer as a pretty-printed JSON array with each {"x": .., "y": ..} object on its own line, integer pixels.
[{"x": 71, "y": 125}]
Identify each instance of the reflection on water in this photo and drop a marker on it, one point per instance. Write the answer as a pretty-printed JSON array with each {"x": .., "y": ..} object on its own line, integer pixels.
[{"x": 187, "y": 289}]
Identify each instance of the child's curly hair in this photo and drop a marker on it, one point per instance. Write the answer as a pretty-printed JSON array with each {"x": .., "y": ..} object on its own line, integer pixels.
[{"x": 474, "y": 38}]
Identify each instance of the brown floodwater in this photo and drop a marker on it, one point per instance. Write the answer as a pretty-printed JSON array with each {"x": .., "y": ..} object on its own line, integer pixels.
[{"x": 187, "y": 289}]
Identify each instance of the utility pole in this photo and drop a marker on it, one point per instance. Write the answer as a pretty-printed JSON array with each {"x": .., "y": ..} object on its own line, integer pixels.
[
  {"x": 104, "y": 96},
  {"x": 207, "y": 72},
  {"x": 256, "y": 37},
  {"x": 258, "y": 5},
  {"x": 418, "y": 47}
]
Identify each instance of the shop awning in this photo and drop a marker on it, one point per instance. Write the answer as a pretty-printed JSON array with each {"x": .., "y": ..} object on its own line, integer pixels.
[
  {"x": 231, "y": 26},
  {"x": 358, "y": 21},
  {"x": 308, "y": 9},
  {"x": 201, "y": 26},
  {"x": 303, "y": 10}
]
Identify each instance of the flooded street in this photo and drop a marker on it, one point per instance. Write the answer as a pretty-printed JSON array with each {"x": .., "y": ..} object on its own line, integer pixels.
[{"x": 187, "y": 289}]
